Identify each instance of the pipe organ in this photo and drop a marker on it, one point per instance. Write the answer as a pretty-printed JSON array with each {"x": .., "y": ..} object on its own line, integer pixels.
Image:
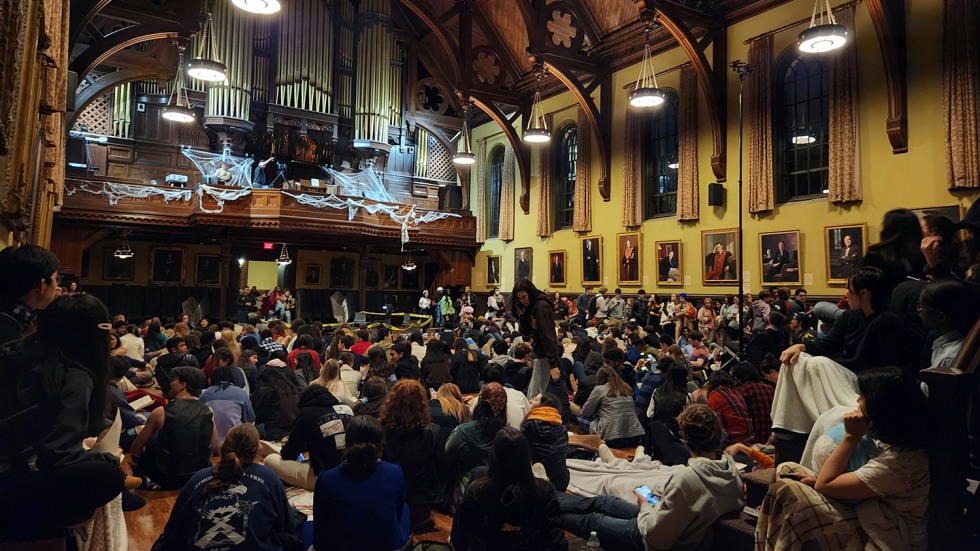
[
  {"x": 229, "y": 102},
  {"x": 376, "y": 79},
  {"x": 304, "y": 79}
]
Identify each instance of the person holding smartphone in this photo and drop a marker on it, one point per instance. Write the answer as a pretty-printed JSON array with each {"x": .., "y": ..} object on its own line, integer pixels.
[{"x": 681, "y": 517}]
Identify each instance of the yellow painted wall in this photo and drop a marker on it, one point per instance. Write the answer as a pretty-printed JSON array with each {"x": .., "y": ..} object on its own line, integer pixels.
[
  {"x": 263, "y": 274},
  {"x": 912, "y": 180}
]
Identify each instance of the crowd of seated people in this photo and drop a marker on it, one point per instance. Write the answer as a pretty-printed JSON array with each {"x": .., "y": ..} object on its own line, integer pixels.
[{"x": 386, "y": 429}]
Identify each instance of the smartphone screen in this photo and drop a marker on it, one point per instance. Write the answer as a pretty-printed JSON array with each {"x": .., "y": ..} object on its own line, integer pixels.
[{"x": 647, "y": 494}]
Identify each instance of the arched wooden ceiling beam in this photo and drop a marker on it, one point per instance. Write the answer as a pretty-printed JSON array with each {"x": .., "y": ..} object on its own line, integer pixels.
[
  {"x": 521, "y": 153},
  {"x": 152, "y": 69},
  {"x": 441, "y": 34},
  {"x": 889, "y": 21},
  {"x": 82, "y": 13},
  {"x": 712, "y": 81},
  {"x": 96, "y": 54},
  {"x": 437, "y": 133},
  {"x": 601, "y": 126}
]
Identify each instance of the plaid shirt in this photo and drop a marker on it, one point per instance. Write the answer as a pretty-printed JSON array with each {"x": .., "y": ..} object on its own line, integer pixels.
[
  {"x": 758, "y": 400},
  {"x": 270, "y": 345}
]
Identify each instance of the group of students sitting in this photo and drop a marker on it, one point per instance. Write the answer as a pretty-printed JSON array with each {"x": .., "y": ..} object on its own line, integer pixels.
[{"x": 383, "y": 430}]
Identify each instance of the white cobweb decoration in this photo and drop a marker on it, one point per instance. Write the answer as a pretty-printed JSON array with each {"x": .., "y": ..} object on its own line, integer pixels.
[
  {"x": 364, "y": 184},
  {"x": 208, "y": 164}
]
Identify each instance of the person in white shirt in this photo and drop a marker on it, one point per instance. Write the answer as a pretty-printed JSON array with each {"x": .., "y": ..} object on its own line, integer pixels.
[
  {"x": 517, "y": 403},
  {"x": 601, "y": 305},
  {"x": 133, "y": 343},
  {"x": 425, "y": 303},
  {"x": 949, "y": 309}
]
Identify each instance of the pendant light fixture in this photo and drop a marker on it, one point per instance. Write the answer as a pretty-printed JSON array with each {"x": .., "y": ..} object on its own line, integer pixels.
[
  {"x": 409, "y": 264},
  {"x": 178, "y": 107},
  {"x": 284, "y": 259},
  {"x": 802, "y": 136},
  {"x": 123, "y": 251},
  {"x": 822, "y": 37},
  {"x": 537, "y": 126},
  {"x": 261, "y": 7},
  {"x": 647, "y": 93},
  {"x": 464, "y": 156},
  {"x": 206, "y": 65}
]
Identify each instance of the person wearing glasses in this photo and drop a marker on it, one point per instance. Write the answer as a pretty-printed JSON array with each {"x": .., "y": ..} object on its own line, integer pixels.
[{"x": 29, "y": 281}]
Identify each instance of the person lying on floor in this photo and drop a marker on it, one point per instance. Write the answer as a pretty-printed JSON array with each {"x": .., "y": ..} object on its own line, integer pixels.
[{"x": 695, "y": 497}]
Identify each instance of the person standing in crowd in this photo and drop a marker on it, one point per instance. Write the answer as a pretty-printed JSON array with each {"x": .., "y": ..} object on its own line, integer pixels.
[
  {"x": 640, "y": 311},
  {"x": 537, "y": 321},
  {"x": 237, "y": 500},
  {"x": 582, "y": 304},
  {"x": 616, "y": 310},
  {"x": 708, "y": 320},
  {"x": 29, "y": 281},
  {"x": 446, "y": 308},
  {"x": 425, "y": 304}
]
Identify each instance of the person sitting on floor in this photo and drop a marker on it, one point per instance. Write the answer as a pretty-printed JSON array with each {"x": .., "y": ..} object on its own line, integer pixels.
[
  {"x": 361, "y": 503},
  {"x": 237, "y": 504},
  {"x": 694, "y": 498},
  {"x": 276, "y": 399},
  {"x": 758, "y": 399},
  {"x": 119, "y": 367},
  {"x": 611, "y": 408},
  {"x": 469, "y": 444},
  {"x": 176, "y": 356},
  {"x": 319, "y": 430},
  {"x": 517, "y": 403},
  {"x": 730, "y": 406},
  {"x": 509, "y": 508},
  {"x": 893, "y": 485},
  {"x": 178, "y": 437},
  {"x": 948, "y": 309},
  {"x": 548, "y": 438},
  {"x": 666, "y": 404},
  {"x": 435, "y": 364},
  {"x": 229, "y": 403}
]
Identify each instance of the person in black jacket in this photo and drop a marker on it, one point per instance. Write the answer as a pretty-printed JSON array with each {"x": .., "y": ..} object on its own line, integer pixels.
[
  {"x": 467, "y": 367},
  {"x": 320, "y": 429},
  {"x": 436, "y": 364},
  {"x": 276, "y": 400},
  {"x": 411, "y": 441},
  {"x": 548, "y": 438},
  {"x": 406, "y": 366},
  {"x": 176, "y": 356},
  {"x": 509, "y": 508},
  {"x": 517, "y": 373},
  {"x": 537, "y": 321},
  {"x": 28, "y": 283}
]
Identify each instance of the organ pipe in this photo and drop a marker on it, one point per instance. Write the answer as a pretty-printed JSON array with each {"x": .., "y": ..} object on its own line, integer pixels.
[
  {"x": 122, "y": 103},
  {"x": 303, "y": 80},
  {"x": 376, "y": 46},
  {"x": 421, "y": 152},
  {"x": 234, "y": 33}
]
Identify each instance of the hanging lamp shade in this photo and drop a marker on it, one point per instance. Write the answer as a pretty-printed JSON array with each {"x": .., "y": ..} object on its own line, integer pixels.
[
  {"x": 646, "y": 93},
  {"x": 465, "y": 155},
  {"x": 537, "y": 126},
  {"x": 206, "y": 65},
  {"x": 123, "y": 251},
  {"x": 284, "y": 259},
  {"x": 823, "y": 36},
  {"x": 802, "y": 135},
  {"x": 178, "y": 107},
  {"x": 261, "y": 7},
  {"x": 409, "y": 264}
]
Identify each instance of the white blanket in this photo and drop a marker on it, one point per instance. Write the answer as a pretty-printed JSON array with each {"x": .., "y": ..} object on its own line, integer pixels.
[
  {"x": 805, "y": 390},
  {"x": 618, "y": 478}
]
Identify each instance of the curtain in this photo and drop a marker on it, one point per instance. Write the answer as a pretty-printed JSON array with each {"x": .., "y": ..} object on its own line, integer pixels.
[
  {"x": 507, "y": 195},
  {"x": 687, "y": 147},
  {"x": 545, "y": 194},
  {"x": 843, "y": 167},
  {"x": 632, "y": 188},
  {"x": 481, "y": 191},
  {"x": 758, "y": 120},
  {"x": 961, "y": 93},
  {"x": 582, "y": 219}
]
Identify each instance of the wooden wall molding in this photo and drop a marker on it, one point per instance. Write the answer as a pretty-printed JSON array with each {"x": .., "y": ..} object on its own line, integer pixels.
[{"x": 888, "y": 18}]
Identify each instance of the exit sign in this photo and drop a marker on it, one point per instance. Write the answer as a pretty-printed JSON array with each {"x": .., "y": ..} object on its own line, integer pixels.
[{"x": 268, "y": 246}]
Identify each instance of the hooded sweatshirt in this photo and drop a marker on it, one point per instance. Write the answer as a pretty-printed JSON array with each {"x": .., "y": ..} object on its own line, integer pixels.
[
  {"x": 693, "y": 500},
  {"x": 545, "y": 339},
  {"x": 320, "y": 429}
]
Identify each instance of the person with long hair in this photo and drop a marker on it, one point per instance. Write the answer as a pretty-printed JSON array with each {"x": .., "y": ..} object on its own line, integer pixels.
[
  {"x": 726, "y": 401},
  {"x": 536, "y": 315},
  {"x": 669, "y": 399},
  {"x": 610, "y": 405},
  {"x": 360, "y": 504},
  {"x": 708, "y": 320},
  {"x": 55, "y": 394},
  {"x": 467, "y": 366},
  {"x": 758, "y": 397},
  {"x": 378, "y": 365},
  {"x": 411, "y": 441},
  {"x": 890, "y": 409},
  {"x": 330, "y": 379},
  {"x": 306, "y": 371},
  {"x": 276, "y": 399},
  {"x": 448, "y": 411},
  {"x": 509, "y": 508},
  {"x": 548, "y": 438},
  {"x": 694, "y": 498},
  {"x": 236, "y": 504},
  {"x": 469, "y": 444},
  {"x": 436, "y": 364}
]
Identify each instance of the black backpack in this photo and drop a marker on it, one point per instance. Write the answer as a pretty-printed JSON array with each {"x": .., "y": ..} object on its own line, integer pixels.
[
  {"x": 593, "y": 308},
  {"x": 468, "y": 376}
]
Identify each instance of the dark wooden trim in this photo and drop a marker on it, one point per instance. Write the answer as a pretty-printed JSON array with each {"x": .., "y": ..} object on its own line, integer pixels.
[
  {"x": 441, "y": 34},
  {"x": 521, "y": 153},
  {"x": 152, "y": 69},
  {"x": 82, "y": 12},
  {"x": 96, "y": 54},
  {"x": 888, "y": 18}
]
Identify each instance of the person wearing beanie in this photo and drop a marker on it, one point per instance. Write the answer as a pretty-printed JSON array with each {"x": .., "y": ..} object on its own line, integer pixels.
[{"x": 185, "y": 434}]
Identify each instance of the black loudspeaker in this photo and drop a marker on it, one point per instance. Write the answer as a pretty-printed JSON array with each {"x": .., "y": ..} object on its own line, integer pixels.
[
  {"x": 76, "y": 152},
  {"x": 72, "y": 88},
  {"x": 716, "y": 195}
]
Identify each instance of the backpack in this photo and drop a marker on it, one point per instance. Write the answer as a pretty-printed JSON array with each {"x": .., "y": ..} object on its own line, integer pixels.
[{"x": 592, "y": 306}]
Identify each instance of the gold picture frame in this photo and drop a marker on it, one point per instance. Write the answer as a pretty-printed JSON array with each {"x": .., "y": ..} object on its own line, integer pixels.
[
  {"x": 670, "y": 271},
  {"x": 725, "y": 270},
  {"x": 781, "y": 258},
  {"x": 591, "y": 248},
  {"x": 629, "y": 270},
  {"x": 839, "y": 259},
  {"x": 558, "y": 268}
]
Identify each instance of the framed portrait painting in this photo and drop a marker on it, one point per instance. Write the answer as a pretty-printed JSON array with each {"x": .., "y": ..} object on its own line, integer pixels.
[
  {"x": 117, "y": 269},
  {"x": 780, "y": 253},
  {"x": 591, "y": 261},
  {"x": 167, "y": 265},
  {"x": 844, "y": 248},
  {"x": 669, "y": 263},
  {"x": 493, "y": 271},
  {"x": 953, "y": 212},
  {"x": 391, "y": 276},
  {"x": 341, "y": 272},
  {"x": 523, "y": 261},
  {"x": 372, "y": 277},
  {"x": 208, "y": 267},
  {"x": 719, "y": 248},
  {"x": 556, "y": 268},
  {"x": 411, "y": 278},
  {"x": 312, "y": 274},
  {"x": 628, "y": 253}
]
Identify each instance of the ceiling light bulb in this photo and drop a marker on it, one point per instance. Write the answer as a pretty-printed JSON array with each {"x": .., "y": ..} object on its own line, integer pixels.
[
  {"x": 823, "y": 38},
  {"x": 262, "y": 7},
  {"x": 464, "y": 158}
]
